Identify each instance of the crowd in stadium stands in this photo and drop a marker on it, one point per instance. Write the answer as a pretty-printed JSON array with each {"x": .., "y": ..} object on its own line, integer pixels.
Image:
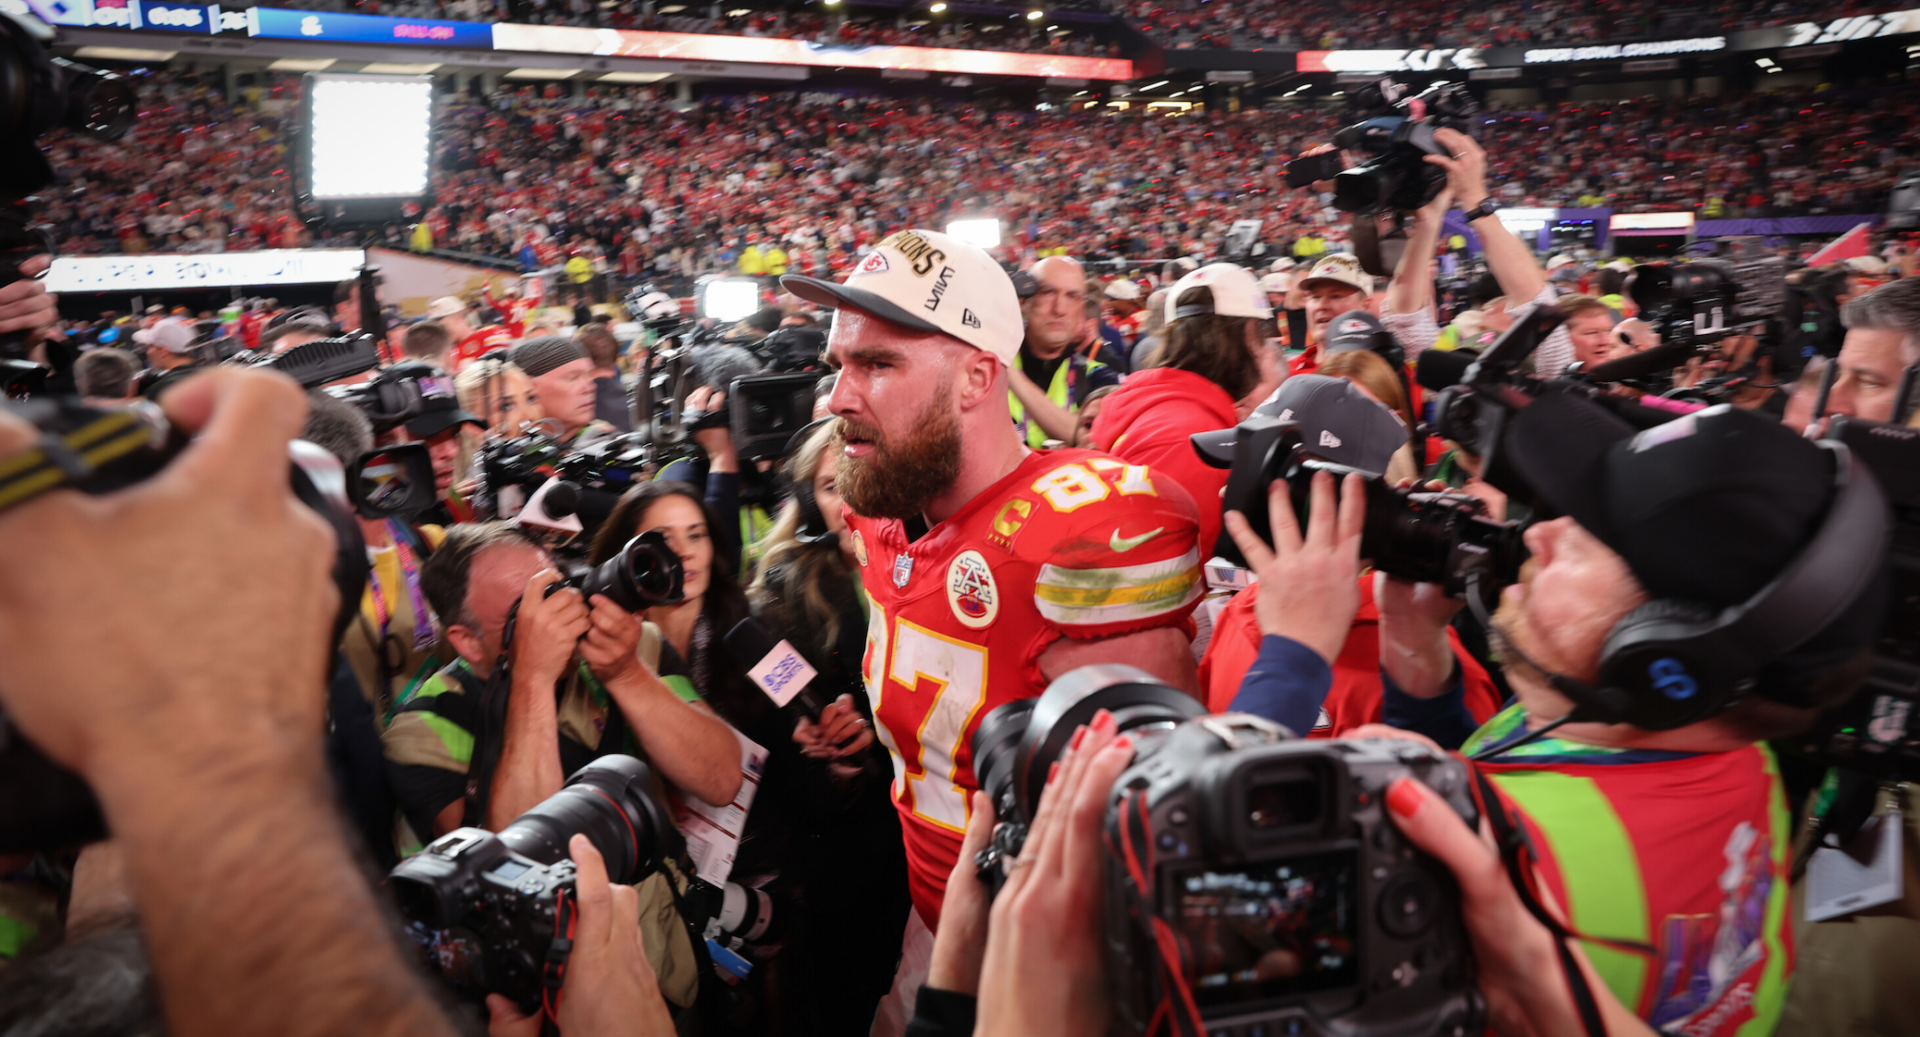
[
  {"x": 535, "y": 176},
  {"x": 986, "y": 32},
  {"x": 1227, "y": 24},
  {"x": 1322, "y": 24}
]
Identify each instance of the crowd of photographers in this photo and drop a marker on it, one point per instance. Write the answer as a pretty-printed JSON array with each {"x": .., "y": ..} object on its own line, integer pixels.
[
  {"x": 635, "y": 189},
  {"x": 844, "y": 670}
]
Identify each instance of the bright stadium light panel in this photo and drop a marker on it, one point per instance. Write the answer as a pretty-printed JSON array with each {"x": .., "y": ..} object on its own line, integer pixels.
[
  {"x": 729, "y": 299},
  {"x": 984, "y": 233},
  {"x": 369, "y": 136}
]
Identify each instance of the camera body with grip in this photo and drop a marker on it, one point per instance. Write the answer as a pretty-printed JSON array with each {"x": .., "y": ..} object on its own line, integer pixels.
[
  {"x": 1255, "y": 874},
  {"x": 489, "y": 911}
]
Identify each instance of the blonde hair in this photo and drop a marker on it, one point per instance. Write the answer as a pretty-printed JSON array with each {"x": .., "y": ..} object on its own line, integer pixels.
[
  {"x": 800, "y": 600},
  {"x": 1373, "y": 373}
]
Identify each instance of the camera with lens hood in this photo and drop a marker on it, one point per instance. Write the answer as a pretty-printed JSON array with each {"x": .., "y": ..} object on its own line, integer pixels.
[
  {"x": 492, "y": 913},
  {"x": 1295, "y": 904},
  {"x": 1443, "y": 538},
  {"x": 645, "y": 573},
  {"x": 1397, "y": 136}
]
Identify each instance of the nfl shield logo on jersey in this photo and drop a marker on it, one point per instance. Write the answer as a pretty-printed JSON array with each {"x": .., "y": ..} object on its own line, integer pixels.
[
  {"x": 970, "y": 590},
  {"x": 902, "y": 569}
]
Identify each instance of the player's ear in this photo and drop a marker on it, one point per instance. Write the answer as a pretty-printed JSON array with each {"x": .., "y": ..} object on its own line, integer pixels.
[{"x": 977, "y": 376}]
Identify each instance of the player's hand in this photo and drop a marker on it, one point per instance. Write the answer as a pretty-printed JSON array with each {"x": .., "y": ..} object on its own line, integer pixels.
[
  {"x": 212, "y": 583},
  {"x": 548, "y": 628},
  {"x": 1044, "y": 968},
  {"x": 1310, "y": 588},
  {"x": 611, "y": 647}
]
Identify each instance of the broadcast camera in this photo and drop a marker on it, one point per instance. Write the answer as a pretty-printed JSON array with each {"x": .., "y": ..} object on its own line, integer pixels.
[
  {"x": 1877, "y": 731},
  {"x": 1397, "y": 134},
  {"x": 489, "y": 911},
  {"x": 591, "y": 478},
  {"x": 1296, "y": 905}
]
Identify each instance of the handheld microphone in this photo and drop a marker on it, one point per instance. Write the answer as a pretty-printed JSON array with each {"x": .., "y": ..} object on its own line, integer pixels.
[
  {"x": 778, "y": 669},
  {"x": 1638, "y": 365}
]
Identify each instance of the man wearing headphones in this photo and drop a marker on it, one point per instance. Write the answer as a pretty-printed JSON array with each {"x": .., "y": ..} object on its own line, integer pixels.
[{"x": 1712, "y": 583}]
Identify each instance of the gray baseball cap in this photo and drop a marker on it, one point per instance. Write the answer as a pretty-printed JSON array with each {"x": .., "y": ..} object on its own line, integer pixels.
[{"x": 1338, "y": 422}]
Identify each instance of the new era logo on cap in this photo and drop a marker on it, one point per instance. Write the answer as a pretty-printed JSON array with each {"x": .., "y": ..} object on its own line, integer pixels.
[
  {"x": 1328, "y": 439},
  {"x": 929, "y": 281}
]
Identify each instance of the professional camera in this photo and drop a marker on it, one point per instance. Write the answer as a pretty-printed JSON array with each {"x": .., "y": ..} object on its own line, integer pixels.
[
  {"x": 397, "y": 394},
  {"x": 593, "y": 476},
  {"x": 645, "y": 573},
  {"x": 1296, "y": 906},
  {"x": 1877, "y": 731},
  {"x": 43, "y": 805},
  {"x": 1700, "y": 302},
  {"x": 494, "y": 913},
  {"x": 1398, "y": 134},
  {"x": 1443, "y": 538}
]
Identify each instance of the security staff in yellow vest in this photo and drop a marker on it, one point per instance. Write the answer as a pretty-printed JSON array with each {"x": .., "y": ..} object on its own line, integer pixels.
[{"x": 1048, "y": 379}]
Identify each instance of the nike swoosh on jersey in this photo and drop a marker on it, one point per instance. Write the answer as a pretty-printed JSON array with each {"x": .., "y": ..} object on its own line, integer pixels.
[{"x": 1123, "y": 544}]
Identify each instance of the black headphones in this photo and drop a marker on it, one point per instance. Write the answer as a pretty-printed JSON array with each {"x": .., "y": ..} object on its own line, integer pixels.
[{"x": 1669, "y": 664}]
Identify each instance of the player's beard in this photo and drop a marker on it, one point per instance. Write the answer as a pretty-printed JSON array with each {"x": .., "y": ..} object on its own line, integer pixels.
[{"x": 899, "y": 479}]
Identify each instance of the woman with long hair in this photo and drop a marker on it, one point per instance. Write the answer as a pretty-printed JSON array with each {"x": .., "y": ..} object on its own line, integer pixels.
[
  {"x": 695, "y": 660},
  {"x": 852, "y": 858}
]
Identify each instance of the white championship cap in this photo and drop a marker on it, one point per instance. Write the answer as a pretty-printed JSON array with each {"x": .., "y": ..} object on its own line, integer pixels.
[
  {"x": 175, "y": 335},
  {"x": 1236, "y": 293},
  {"x": 929, "y": 281},
  {"x": 445, "y": 306}
]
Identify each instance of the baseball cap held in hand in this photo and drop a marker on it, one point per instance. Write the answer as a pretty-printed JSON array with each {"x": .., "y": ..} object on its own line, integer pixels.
[{"x": 928, "y": 281}]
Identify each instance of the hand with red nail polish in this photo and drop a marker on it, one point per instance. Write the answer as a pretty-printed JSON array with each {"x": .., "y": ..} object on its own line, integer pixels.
[
  {"x": 1044, "y": 971},
  {"x": 1515, "y": 960}
]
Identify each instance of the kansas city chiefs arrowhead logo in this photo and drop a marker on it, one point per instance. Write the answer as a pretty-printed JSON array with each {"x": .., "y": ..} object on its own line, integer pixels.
[{"x": 875, "y": 263}]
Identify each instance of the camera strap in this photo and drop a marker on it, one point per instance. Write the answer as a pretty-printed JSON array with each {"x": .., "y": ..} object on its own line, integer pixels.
[
  {"x": 553, "y": 968},
  {"x": 1177, "y": 1005},
  {"x": 1516, "y": 854}
]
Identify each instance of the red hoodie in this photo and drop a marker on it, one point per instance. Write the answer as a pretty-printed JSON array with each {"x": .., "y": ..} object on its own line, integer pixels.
[
  {"x": 1354, "y": 698},
  {"x": 1147, "y": 422}
]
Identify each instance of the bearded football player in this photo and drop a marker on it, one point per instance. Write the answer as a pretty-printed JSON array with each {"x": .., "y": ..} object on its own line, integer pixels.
[{"x": 991, "y": 568}]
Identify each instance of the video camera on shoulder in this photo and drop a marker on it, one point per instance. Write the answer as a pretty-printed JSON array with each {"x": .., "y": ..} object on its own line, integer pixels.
[
  {"x": 1296, "y": 904},
  {"x": 1397, "y": 135}
]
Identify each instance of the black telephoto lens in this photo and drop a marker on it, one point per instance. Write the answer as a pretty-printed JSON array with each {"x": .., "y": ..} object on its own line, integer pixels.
[
  {"x": 613, "y": 802},
  {"x": 645, "y": 573}
]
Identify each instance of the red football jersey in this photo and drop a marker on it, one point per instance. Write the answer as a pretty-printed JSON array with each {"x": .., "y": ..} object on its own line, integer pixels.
[
  {"x": 1073, "y": 543},
  {"x": 480, "y": 342}
]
